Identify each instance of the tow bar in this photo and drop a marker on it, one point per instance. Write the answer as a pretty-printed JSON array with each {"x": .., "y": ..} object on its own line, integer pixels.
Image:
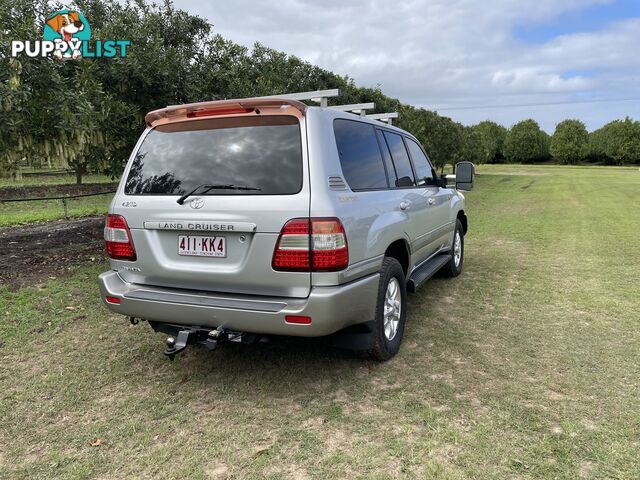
[{"x": 196, "y": 335}]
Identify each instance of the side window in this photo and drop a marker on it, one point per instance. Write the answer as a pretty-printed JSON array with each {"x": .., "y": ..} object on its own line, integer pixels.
[
  {"x": 424, "y": 173},
  {"x": 400, "y": 160},
  {"x": 391, "y": 170},
  {"x": 360, "y": 155}
]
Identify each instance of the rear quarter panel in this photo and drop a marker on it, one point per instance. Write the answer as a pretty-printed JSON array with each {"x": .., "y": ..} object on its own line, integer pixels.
[{"x": 372, "y": 219}]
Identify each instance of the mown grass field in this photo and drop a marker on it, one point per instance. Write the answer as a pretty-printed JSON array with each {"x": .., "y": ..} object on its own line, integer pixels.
[{"x": 525, "y": 366}]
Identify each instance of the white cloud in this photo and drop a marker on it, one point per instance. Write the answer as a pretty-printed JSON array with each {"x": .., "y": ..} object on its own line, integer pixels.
[{"x": 450, "y": 53}]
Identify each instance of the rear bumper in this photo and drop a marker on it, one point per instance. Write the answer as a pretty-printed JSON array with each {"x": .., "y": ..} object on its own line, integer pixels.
[{"x": 330, "y": 308}]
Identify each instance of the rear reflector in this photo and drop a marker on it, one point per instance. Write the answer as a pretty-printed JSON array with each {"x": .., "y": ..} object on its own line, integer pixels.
[
  {"x": 298, "y": 319},
  {"x": 311, "y": 245},
  {"x": 114, "y": 300},
  {"x": 117, "y": 239}
]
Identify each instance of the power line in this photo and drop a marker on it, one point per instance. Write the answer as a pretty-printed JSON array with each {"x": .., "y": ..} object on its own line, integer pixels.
[{"x": 568, "y": 102}]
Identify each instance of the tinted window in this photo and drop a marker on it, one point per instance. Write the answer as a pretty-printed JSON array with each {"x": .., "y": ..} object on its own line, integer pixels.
[
  {"x": 261, "y": 152},
  {"x": 359, "y": 155},
  {"x": 391, "y": 170},
  {"x": 400, "y": 160},
  {"x": 424, "y": 174}
]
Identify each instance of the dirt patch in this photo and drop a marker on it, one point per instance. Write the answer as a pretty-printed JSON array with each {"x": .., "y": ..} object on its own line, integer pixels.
[
  {"x": 41, "y": 191},
  {"x": 585, "y": 470},
  {"x": 33, "y": 253},
  {"x": 216, "y": 470}
]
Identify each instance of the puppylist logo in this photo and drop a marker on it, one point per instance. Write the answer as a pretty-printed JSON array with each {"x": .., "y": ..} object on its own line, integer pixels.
[{"x": 67, "y": 35}]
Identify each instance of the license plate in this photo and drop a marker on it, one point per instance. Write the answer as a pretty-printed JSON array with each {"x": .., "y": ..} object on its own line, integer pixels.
[{"x": 199, "y": 246}]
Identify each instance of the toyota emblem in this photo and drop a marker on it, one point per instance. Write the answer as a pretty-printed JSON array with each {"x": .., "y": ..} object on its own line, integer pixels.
[{"x": 197, "y": 203}]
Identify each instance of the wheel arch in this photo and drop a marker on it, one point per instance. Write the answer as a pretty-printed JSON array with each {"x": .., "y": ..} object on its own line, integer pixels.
[
  {"x": 399, "y": 249},
  {"x": 463, "y": 220}
]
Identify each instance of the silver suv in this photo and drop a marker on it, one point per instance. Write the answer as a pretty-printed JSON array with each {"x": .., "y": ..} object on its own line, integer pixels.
[{"x": 239, "y": 219}]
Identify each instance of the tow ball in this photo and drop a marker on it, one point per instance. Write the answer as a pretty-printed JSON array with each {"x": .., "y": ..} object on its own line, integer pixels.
[{"x": 176, "y": 345}]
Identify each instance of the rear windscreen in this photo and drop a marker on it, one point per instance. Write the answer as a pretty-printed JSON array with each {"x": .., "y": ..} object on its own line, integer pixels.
[{"x": 263, "y": 153}]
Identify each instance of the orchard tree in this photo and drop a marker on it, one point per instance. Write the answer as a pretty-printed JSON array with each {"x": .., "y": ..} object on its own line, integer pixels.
[
  {"x": 622, "y": 141},
  {"x": 440, "y": 136},
  {"x": 444, "y": 139},
  {"x": 27, "y": 91},
  {"x": 471, "y": 148},
  {"x": 526, "y": 143},
  {"x": 570, "y": 142},
  {"x": 491, "y": 137}
]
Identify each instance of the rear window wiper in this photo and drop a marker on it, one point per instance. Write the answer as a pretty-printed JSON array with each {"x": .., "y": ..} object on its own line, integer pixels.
[{"x": 208, "y": 187}]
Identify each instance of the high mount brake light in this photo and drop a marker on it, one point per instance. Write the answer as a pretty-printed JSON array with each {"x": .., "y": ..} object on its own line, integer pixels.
[
  {"x": 212, "y": 112},
  {"x": 311, "y": 245},
  {"x": 117, "y": 239}
]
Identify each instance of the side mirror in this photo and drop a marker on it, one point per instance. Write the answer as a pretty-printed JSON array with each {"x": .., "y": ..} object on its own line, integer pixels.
[{"x": 464, "y": 176}]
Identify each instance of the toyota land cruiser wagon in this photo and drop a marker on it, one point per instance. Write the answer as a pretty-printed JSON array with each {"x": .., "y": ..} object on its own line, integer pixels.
[{"x": 240, "y": 219}]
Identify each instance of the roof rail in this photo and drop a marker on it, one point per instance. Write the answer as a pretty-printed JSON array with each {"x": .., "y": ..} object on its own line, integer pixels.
[
  {"x": 357, "y": 108},
  {"x": 384, "y": 117},
  {"x": 319, "y": 96}
]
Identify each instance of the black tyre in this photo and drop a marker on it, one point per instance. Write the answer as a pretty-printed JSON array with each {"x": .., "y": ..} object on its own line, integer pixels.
[
  {"x": 454, "y": 267},
  {"x": 391, "y": 311}
]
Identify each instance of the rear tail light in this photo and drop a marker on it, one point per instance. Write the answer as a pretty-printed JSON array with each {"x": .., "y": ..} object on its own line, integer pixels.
[
  {"x": 117, "y": 239},
  {"x": 311, "y": 245},
  {"x": 329, "y": 245},
  {"x": 292, "y": 250}
]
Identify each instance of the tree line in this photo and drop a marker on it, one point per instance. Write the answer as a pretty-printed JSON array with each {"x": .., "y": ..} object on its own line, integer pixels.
[
  {"x": 616, "y": 143},
  {"x": 88, "y": 114}
]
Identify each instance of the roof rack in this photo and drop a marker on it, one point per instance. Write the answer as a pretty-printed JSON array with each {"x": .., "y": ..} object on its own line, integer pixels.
[
  {"x": 319, "y": 96},
  {"x": 357, "y": 108},
  {"x": 384, "y": 117}
]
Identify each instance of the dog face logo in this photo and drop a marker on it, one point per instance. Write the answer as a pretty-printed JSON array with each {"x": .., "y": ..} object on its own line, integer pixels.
[
  {"x": 66, "y": 24},
  {"x": 68, "y": 29}
]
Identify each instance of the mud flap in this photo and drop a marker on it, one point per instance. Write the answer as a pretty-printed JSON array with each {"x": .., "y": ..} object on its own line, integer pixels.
[{"x": 357, "y": 337}]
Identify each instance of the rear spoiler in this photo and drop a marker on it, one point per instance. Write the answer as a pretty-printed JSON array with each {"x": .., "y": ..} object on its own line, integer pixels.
[
  {"x": 220, "y": 107},
  {"x": 251, "y": 105}
]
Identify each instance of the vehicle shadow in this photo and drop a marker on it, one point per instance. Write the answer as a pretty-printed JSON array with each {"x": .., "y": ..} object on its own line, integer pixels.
[{"x": 283, "y": 367}]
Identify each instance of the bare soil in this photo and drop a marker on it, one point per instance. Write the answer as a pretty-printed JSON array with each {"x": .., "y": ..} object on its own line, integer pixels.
[{"x": 32, "y": 254}]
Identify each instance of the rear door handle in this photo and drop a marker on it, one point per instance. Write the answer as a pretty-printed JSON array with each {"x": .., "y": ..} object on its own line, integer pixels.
[{"x": 404, "y": 205}]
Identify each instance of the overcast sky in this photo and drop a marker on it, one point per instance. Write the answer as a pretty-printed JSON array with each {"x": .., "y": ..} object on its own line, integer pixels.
[{"x": 463, "y": 58}]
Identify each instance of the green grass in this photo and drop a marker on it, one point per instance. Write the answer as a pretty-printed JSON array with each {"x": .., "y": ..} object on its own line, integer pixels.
[
  {"x": 525, "y": 366},
  {"x": 19, "y": 213},
  {"x": 57, "y": 179}
]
